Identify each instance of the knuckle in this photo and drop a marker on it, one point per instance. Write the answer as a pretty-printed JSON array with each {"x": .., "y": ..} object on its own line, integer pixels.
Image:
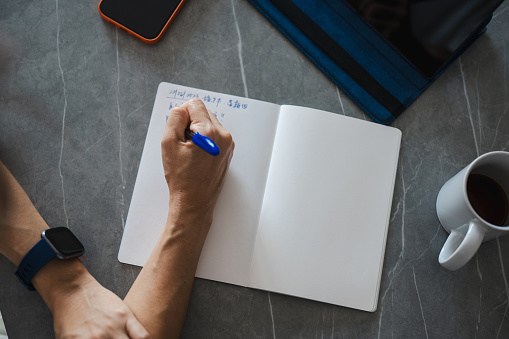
[
  {"x": 97, "y": 335},
  {"x": 110, "y": 328},
  {"x": 165, "y": 143},
  {"x": 196, "y": 103},
  {"x": 208, "y": 130},
  {"x": 176, "y": 110},
  {"x": 122, "y": 313},
  {"x": 177, "y": 113},
  {"x": 226, "y": 136},
  {"x": 167, "y": 140}
]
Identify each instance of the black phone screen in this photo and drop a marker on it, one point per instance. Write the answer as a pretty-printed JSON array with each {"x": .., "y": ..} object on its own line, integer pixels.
[
  {"x": 146, "y": 18},
  {"x": 427, "y": 32}
]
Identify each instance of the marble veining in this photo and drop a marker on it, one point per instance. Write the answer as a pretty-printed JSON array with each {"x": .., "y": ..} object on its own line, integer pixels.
[
  {"x": 272, "y": 317},
  {"x": 505, "y": 284},
  {"x": 121, "y": 186},
  {"x": 468, "y": 106},
  {"x": 63, "y": 115},
  {"x": 340, "y": 101},
  {"x": 420, "y": 303},
  {"x": 239, "y": 46}
]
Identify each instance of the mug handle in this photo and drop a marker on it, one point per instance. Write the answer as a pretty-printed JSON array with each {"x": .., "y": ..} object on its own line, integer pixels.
[{"x": 459, "y": 248}]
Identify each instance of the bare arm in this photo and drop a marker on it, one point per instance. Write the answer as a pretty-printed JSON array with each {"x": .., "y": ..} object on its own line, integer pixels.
[
  {"x": 20, "y": 224},
  {"x": 160, "y": 295},
  {"x": 81, "y": 307}
]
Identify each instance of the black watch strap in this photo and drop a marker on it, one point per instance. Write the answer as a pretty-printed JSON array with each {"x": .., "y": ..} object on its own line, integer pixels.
[{"x": 33, "y": 261}]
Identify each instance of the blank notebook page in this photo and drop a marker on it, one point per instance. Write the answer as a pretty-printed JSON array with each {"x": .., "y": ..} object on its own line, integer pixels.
[{"x": 326, "y": 208}]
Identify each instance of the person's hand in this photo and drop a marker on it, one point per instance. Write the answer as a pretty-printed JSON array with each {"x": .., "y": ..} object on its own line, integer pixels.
[
  {"x": 160, "y": 295},
  {"x": 89, "y": 310},
  {"x": 194, "y": 177},
  {"x": 81, "y": 307}
]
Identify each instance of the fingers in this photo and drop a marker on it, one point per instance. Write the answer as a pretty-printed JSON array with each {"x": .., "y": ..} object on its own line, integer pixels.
[
  {"x": 203, "y": 120},
  {"x": 198, "y": 113},
  {"x": 178, "y": 120},
  {"x": 135, "y": 330},
  {"x": 194, "y": 115},
  {"x": 214, "y": 119}
]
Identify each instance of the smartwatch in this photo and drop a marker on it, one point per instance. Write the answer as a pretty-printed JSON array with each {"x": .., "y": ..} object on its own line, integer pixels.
[{"x": 57, "y": 242}]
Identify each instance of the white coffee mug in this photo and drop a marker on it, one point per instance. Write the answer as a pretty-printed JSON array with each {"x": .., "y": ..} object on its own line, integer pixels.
[{"x": 471, "y": 207}]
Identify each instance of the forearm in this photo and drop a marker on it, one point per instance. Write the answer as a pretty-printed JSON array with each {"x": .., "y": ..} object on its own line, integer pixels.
[
  {"x": 160, "y": 295},
  {"x": 81, "y": 307},
  {"x": 20, "y": 223},
  {"x": 20, "y": 229}
]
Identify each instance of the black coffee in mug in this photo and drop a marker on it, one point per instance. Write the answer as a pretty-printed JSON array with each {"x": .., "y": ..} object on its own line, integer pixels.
[{"x": 488, "y": 199}]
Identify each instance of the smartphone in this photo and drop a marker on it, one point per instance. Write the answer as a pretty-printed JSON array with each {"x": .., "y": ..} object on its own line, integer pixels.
[{"x": 147, "y": 20}]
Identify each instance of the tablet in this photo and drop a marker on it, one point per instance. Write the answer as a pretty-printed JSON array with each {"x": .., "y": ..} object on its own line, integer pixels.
[{"x": 428, "y": 33}]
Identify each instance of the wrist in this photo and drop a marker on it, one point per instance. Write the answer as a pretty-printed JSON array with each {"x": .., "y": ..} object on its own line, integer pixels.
[
  {"x": 22, "y": 239},
  {"x": 190, "y": 215},
  {"x": 190, "y": 227},
  {"x": 57, "y": 242},
  {"x": 58, "y": 279}
]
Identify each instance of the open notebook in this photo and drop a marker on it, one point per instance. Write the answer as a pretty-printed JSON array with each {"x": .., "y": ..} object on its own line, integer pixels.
[{"x": 305, "y": 207}]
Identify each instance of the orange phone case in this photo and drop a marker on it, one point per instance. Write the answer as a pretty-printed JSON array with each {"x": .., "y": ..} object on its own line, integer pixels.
[{"x": 145, "y": 40}]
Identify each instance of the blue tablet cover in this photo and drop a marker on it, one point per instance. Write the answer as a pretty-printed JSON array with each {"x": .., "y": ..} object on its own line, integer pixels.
[{"x": 358, "y": 60}]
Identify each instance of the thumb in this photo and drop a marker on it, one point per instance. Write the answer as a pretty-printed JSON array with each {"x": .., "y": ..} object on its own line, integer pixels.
[{"x": 135, "y": 329}]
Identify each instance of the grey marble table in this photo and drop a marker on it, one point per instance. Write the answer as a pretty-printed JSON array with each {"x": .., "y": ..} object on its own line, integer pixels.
[{"x": 76, "y": 96}]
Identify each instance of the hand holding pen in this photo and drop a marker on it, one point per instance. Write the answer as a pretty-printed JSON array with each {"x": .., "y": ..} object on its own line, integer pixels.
[{"x": 194, "y": 176}]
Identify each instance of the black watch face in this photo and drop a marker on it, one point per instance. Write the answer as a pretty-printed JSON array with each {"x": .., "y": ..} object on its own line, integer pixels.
[{"x": 64, "y": 242}]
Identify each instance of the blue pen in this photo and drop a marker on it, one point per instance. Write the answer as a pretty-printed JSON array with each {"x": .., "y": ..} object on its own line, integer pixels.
[{"x": 203, "y": 142}]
